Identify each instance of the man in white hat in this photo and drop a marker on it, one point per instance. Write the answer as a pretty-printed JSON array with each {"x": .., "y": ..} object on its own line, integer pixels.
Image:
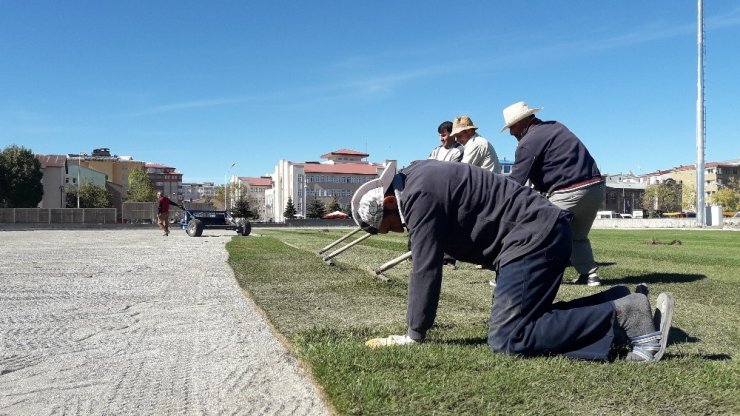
[
  {"x": 478, "y": 151},
  {"x": 481, "y": 217},
  {"x": 558, "y": 164}
]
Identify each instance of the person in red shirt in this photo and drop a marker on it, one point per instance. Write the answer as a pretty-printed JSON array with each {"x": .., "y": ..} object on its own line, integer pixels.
[{"x": 163, "y": 212}]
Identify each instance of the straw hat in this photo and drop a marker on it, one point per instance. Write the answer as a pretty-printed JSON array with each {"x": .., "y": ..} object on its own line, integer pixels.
[
  {"x": 367, "y": 202},
  {"x": 516, "y": 112},
  {"x": 462, "y": 123}
]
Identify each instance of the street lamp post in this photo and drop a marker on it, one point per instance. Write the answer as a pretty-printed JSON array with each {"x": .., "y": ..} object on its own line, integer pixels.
[
  {"x": 226, "y": 187},
  {"x": 79, "y": 165}
]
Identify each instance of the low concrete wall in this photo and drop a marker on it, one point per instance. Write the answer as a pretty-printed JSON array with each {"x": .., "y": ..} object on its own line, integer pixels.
[
  {"x": 314, "y": 222},
  {"x": 57, "y": 215},
  {"x": 605, "y": 223}
]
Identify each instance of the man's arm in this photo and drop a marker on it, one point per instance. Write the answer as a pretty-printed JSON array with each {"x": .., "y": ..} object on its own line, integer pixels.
[
  {"x": 174, "y": 203},
  {"x": 523, "y": 161},
  {"x": 458, "y": 153},
  {"x": 474, "y": 154}
]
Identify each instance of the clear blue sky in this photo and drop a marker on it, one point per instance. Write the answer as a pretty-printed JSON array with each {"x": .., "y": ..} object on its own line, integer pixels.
[{"x": 200, "y": 85}]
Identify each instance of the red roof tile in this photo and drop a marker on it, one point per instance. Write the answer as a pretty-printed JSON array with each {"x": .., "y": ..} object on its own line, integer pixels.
[
  {"x": 52, "y": 160},
  {"x": 256, "y": 181},
  {"x": 347, "y": 152},
  {"x": 348, "y": 168}
]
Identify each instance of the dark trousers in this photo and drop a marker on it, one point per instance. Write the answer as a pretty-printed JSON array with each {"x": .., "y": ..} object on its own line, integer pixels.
[{"x": 524, "y": 319}]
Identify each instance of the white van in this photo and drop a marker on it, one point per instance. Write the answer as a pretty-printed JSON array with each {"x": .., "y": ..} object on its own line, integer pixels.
[{"x": 607, "y": 214}]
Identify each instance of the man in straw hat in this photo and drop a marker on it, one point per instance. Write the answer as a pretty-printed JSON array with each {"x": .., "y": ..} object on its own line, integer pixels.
[
  {"x": 481, "y": 217},
  {"x": 478, "y": 151},
  {"x": 559, "y": 165}
]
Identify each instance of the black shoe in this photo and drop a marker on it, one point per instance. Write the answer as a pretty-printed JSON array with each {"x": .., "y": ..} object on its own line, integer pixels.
[
  {"x": 589, "y": 280},
  {"x": 642, "y": 288}
]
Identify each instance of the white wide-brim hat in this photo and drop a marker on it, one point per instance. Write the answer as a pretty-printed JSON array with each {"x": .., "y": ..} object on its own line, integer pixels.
[
  {"x": 516, "y": 112},
  {"x": 367, "y": 202}
]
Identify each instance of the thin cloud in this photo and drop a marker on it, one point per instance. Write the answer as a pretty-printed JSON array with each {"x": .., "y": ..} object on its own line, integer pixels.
[
  {"x": 386, "y": 83},
  {"x": 188, "y": 105}
]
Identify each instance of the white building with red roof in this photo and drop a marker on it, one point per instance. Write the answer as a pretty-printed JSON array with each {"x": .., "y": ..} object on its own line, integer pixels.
[
  {"x": 338, "y": 177},
  {"x": 254, "y": 190}
]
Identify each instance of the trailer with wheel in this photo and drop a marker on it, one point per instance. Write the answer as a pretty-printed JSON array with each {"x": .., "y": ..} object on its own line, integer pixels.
[{"x": 195, "y": 221}]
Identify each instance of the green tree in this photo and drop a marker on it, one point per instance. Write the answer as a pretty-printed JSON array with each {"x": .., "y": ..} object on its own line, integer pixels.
[
  {"x": 315, "y": 209},
  {"x": 20, "y": 178},
  {"x": 727, "y": 197},
  {"x": 664, "y": 197},
  {"x": 219, "y": 196},
  {"x": 688, "y": 197},
  {"x": 243, "y": 208},
  {"x": 140, "y": 187},
  {"x": 290, "y": 210},
  {"x": 334, "y": 205},
  {"x": 91, "y": 196}
]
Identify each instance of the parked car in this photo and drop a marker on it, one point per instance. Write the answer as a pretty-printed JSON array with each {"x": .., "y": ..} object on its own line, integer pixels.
[{"x": 607, "y": 214}]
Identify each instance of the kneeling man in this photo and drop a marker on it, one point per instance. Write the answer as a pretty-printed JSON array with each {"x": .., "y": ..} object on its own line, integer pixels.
[{"x": 481, "y": 217}]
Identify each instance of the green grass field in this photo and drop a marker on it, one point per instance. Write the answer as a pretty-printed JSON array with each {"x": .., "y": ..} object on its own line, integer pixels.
[{"x": 327, "y": 312}]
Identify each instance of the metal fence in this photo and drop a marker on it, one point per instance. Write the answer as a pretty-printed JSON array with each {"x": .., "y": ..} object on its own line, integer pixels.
[{"x": 58, "y": 215}]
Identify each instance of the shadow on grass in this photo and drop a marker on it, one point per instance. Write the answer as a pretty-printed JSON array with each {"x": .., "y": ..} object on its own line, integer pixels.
[
  {"x": 716, "y": 357},
  {"x": 465, "y": 341},
  {"x": 655, "y": 278},
  {"x": 679, "y": 336}
]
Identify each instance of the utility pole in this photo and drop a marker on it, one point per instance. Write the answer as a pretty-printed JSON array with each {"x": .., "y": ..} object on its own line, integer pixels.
[{"x": 700, "y": 119}]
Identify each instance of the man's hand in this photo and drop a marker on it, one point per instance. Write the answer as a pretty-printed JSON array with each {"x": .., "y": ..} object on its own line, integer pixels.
[{"x": 389, "y": 341}]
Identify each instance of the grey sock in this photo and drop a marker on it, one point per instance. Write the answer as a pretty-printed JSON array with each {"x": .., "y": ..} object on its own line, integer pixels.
[{"x": 634, "y": 315}]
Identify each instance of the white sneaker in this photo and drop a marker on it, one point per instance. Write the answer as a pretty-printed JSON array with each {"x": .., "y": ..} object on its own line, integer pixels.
[{"x": 389, "y": 341}]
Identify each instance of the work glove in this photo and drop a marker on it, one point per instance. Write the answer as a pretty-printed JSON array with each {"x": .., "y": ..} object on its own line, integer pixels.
[{"x": 389, "y": 341}]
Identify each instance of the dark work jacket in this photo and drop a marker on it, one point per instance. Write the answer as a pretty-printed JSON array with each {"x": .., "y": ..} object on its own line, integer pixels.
[
  {"x": 470, "y": 213},
  {"x": 552, "y": 157},
  {"x": 164, "y": 204}
]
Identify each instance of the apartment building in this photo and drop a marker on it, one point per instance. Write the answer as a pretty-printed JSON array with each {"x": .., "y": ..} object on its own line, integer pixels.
[
  {"x": 54, "y": 172},
  {"x": 624, "y": 193},
  {"x": 165, "y": 179},
  {"x": 716, "y": 175},
  {"x": 197, "y": 192},
  {"x": 254, "y": 189},
  {"x": 116, "y": 168},
  {"x": 339, "y": 175}
]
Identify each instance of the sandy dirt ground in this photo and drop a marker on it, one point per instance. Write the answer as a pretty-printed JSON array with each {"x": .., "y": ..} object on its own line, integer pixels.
[{"x": 127, "y": 321}]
